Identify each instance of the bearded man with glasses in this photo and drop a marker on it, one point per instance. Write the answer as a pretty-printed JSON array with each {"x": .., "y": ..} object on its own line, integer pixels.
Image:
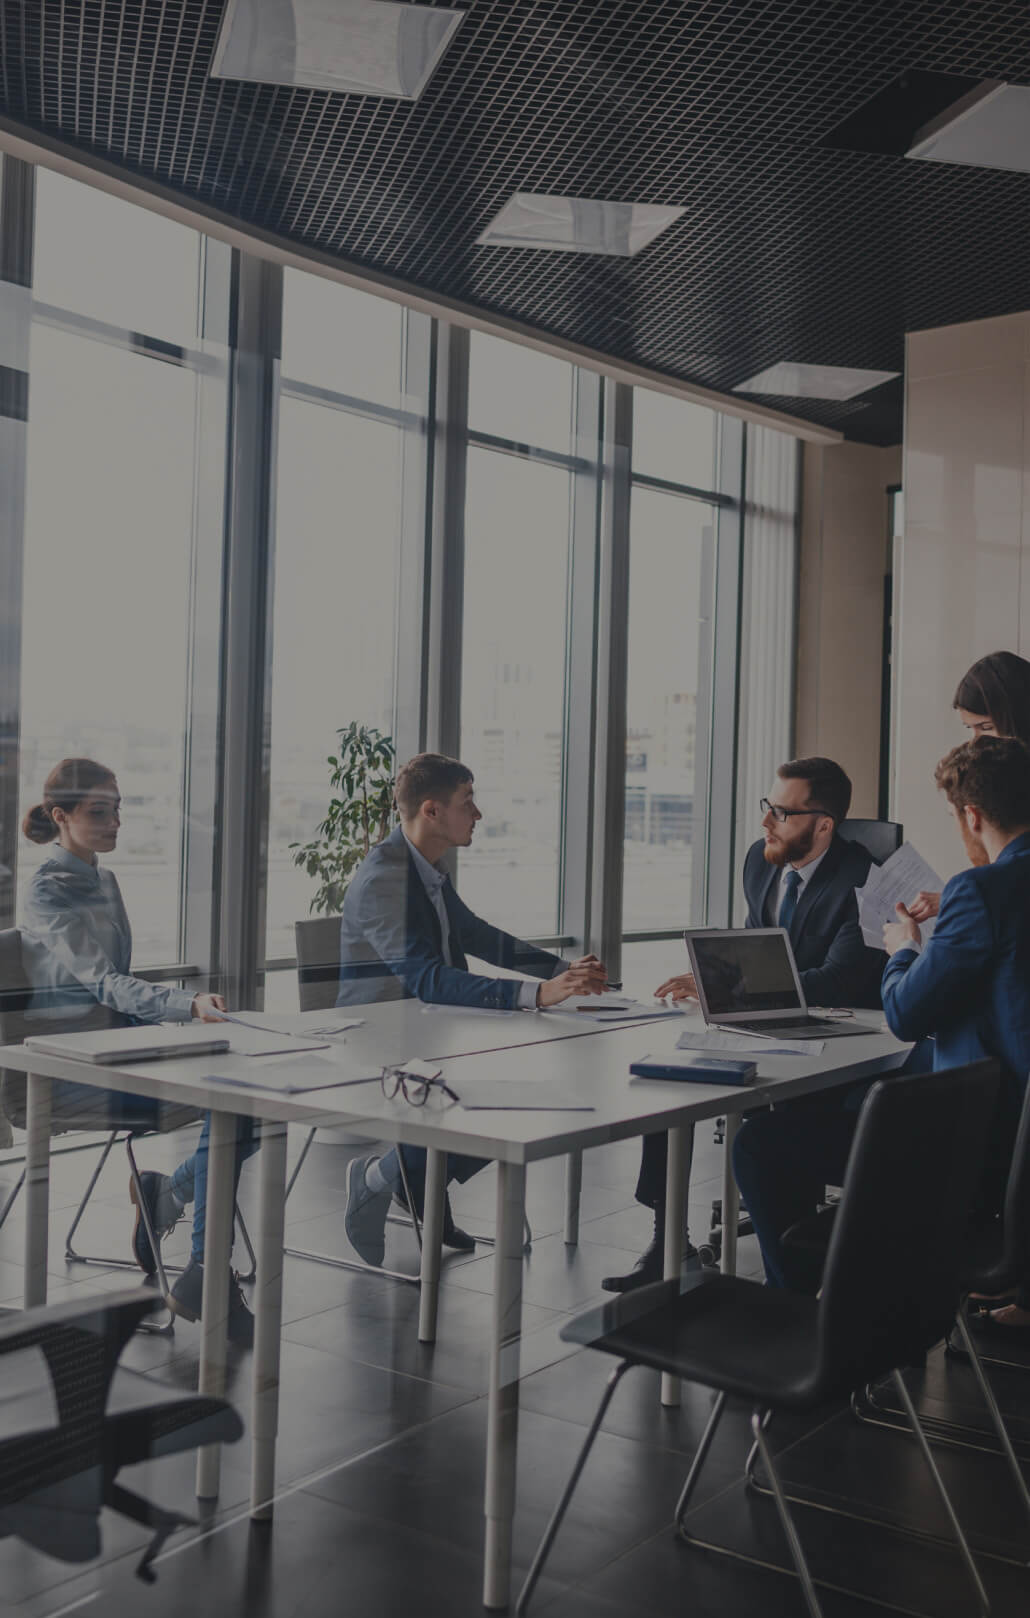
[{"x": 801, "y": 875}]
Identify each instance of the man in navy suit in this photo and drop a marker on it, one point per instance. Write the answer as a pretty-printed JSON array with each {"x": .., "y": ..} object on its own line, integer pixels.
[
  {"x": 800, "y": 875},
  {"x": 969, "y": 984},
  {"x": 405, "y": 934}
]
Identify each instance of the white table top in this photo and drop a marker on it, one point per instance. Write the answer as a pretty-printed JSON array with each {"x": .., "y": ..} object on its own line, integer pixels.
[{"x": 592, "y": 1069}]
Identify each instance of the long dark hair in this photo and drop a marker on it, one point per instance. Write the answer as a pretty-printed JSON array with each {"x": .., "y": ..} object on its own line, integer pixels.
[
  {"x": 998, "y": 686},
  {"x": 64, "y": 788}
]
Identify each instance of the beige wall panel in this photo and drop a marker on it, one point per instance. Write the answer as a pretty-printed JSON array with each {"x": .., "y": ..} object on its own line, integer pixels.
[
  {"x": 966, "y": 525},
  {"x": 843, "y": 560}
]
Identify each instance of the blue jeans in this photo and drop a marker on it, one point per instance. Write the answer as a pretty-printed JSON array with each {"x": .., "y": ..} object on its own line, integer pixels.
[
  {"x": 458, "y": 1168},
  {"x": 100, "y": 1109}
]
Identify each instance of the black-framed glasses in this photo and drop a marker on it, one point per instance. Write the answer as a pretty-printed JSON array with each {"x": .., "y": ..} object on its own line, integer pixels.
[
  {"x": 779, "y": 813},
  {"x": 412, "y": 1089}
]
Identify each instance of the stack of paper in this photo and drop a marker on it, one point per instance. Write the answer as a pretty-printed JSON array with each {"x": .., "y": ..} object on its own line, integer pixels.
[
  {"x": 896, "y": 881},
  {"x": 754, "y": 1046}
]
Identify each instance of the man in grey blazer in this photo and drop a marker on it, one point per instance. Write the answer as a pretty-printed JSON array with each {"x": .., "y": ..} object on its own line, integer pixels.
[{"x": 405, "y": 933}]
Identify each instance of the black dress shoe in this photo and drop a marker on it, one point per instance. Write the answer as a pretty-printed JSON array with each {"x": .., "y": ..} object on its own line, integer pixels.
[
  {"x": 453, "y": 1235},
  {"x": 646, "y": 1270}
]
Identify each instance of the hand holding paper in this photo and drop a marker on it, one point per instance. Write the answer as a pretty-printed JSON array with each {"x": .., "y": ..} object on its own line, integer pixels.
[{"x": 897, "y": 881}]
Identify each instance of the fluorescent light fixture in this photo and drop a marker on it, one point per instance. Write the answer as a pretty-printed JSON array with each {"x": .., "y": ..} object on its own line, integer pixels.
[
  {"x": 989, "y": 128},
  {"x": 356, "y": 47},
  {"x": 788, "y": 380},
  {"x": 577, "y": 225}
]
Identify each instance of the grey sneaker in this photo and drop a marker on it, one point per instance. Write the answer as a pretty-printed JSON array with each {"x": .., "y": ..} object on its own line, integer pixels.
[
  {"x": 165, "y": 1211},
  {"x": 187, "y": 1295},
  {"x": 365, "y": 1220}
]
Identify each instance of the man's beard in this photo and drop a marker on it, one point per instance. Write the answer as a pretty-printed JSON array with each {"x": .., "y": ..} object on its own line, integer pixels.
[{"x": 781, "y": 854}]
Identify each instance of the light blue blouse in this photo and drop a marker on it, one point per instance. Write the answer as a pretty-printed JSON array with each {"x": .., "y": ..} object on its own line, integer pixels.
[{"x": 77, "y": 947}]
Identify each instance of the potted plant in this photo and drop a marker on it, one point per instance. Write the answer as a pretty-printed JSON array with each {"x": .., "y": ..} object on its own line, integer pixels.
[{"x": 360, "y": 814}]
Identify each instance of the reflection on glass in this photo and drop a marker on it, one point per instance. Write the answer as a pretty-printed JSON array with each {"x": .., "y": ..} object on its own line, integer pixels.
[
  {"x": 121, "y": 264},
  {"x": 520, "y": 395},
  {"x": 669, "y": 632},
  {"x": 109, "y": 527},
  {"x": 673, "y": 439},
  {"x": 513, "y": 672}
]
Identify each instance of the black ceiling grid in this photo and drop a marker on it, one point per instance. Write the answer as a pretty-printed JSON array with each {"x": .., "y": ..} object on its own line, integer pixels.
[{"x": 791, "y": 248}]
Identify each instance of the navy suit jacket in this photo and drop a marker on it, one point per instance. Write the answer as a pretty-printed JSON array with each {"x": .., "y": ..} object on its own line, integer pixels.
[
  {"x": 836, "y": 967},
  {"x": 970, "y": 986},
  {"x": 391, "y": 948}
]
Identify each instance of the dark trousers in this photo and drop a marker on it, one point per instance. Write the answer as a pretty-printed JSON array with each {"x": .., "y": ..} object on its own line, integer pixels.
[{"x": 783, "y": 1160}]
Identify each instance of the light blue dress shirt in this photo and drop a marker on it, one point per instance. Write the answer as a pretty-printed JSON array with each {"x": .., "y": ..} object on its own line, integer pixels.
[
  {"x": 433, "y": 880},
  {"x": 77, "y": 947}
]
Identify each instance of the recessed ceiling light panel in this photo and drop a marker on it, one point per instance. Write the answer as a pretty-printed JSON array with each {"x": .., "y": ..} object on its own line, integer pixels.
[
  {"x": 356, "y": 47},
  {"x": 988, "y": 129},
  {"x": 577, "y": 224},
  {"x": 788, "y": 380}
]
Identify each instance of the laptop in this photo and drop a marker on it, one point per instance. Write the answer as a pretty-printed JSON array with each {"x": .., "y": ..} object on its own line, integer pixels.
[
  {"x": 747, "y": 981},
  {"x": 109, "y": 1046}
]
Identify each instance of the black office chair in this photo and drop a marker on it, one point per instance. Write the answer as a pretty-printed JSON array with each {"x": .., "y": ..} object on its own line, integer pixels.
[
  {"x": 16, "y": 995},
  {"x": 782, "y": 1349},
  {"x": 882, "y": 838},
  {"x": 55, "y": 1476}
]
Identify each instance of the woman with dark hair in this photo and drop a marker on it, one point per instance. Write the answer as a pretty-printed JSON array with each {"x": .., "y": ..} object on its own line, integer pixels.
[
  {"x": 77, "y": 946},
  {"x": 992, "y": 699}
]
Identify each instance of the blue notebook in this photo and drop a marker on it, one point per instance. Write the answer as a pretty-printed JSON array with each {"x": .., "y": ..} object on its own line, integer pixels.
[{"x": 703, "y": 1070}]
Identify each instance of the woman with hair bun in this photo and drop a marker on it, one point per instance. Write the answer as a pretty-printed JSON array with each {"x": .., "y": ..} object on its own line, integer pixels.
[{"x": 77, "y": 946}]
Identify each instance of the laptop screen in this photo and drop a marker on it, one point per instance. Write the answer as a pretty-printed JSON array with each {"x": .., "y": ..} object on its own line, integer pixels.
[{"x": 743, "y": 972}]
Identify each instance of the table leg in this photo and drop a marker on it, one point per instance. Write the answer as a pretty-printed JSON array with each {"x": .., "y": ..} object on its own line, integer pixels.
[
  {"x": 730, "y": 1198},
  {"x": 573, "y": 1189},
  {"x": 681, "y": 1142},
  {"x": 37, "y": 1188},
  {"x": 268, "y": 1314},
  {"x": 432, "y": 1244},
  {"x": 503, "y": 1401},
  {"x": 215, "y": 1298}
]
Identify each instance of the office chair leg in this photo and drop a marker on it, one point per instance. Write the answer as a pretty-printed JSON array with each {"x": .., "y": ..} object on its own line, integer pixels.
[
  {"x": 758, "y": 1420},
  {"x": 997, "y": 1420},
  {"x": 69, "y": 1250},
  {"x": 956, "y": 1527},
  {"x": 700, "y": 1456},
  {"x": 558, "y": 1514},
  {"x": 241, "y": 1226},
  {"x": 12, "y": 1197},
  {"x": 162, "y": 1278},
  {"x": 305, "y": 1149}
]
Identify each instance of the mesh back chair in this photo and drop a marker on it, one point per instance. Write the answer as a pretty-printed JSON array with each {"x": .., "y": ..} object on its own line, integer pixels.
[
  {"x": 909, "y": 1186},
  {"x": 56, "y": 1476},
  {"x": 881, "y": 838},
  {"x": 92, "y": 1115}
]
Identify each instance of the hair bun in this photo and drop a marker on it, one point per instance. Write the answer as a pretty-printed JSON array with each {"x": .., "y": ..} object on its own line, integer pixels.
[{"x": 39, "y": 825}]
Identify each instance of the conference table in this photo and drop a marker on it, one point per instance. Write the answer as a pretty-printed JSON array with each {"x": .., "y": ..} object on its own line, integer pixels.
[{"x": 578, "y": 1065}]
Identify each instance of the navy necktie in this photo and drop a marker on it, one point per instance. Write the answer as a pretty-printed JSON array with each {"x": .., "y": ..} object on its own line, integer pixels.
[{"x": 791, "y": 884}]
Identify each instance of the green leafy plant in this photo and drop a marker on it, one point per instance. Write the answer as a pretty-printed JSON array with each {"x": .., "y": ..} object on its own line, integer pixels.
[{"x": 360, "y": 813}]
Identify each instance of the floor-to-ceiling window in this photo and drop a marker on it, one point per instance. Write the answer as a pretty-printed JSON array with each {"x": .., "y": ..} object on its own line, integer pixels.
[
  {"x": 114, "y": 519},
  {"x": 516, "y": 579},
  {"x": 345, "y": 424}
]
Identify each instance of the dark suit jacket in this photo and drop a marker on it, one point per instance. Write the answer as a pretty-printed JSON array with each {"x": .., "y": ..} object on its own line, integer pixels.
[
  {"x": 391, "y": 948},
  {"x": 835, "y": 966}
]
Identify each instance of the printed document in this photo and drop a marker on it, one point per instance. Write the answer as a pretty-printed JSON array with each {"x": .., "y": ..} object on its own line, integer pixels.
[
  {"x": 896, "y": 881},
  {"x": 747, "y": 1045}
]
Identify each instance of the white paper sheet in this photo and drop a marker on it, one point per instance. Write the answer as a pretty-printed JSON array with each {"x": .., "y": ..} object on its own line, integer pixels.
[
  {"x": 747, "y": 1044},
  {"x": 617, "y": 1008},
  {"x": 896, "y": 881}
]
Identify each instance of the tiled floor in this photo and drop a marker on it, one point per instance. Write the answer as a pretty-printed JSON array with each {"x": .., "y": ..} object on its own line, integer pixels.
[{"x": 382, "y": 1440}]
